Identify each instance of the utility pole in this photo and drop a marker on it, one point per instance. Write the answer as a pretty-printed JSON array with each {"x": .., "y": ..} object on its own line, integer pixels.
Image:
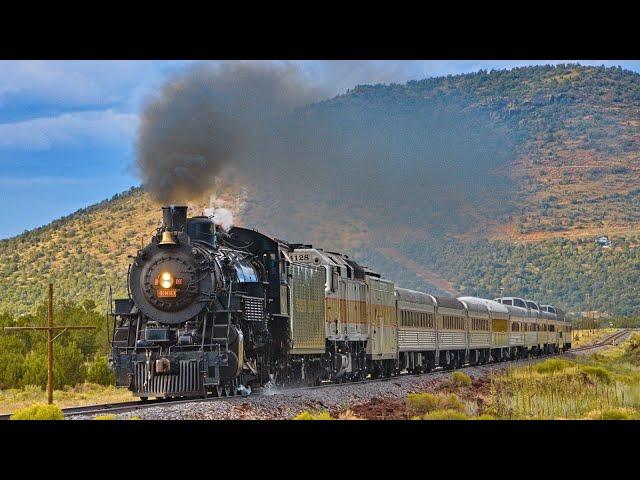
[
  {"x": 588, "y": 322},
  {"x": 50, "y": 347},
  {"x": 51, "y": 329}
]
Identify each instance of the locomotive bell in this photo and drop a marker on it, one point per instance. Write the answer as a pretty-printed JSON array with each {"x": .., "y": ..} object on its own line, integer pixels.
[{"x": 167, "y": 239}]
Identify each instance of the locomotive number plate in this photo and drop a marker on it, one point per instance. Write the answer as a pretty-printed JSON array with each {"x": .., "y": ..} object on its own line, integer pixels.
[{"x": 170, "y": 292}]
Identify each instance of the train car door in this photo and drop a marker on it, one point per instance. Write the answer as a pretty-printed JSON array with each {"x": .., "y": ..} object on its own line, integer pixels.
[{"x": 383, "y": 334}]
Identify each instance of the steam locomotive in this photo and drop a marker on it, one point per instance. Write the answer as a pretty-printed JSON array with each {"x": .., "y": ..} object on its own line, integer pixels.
[{"x": 221, "y": 312}]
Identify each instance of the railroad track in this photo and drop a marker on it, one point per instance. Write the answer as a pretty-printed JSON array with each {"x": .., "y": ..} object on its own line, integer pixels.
[
  {"x": 112, "y": 408},
  {"x": 610, "y": 340},
  {"x": 102, "y": 408},
  {"x": 115, "y": 408},
  {"x": 123, "y": 407}
]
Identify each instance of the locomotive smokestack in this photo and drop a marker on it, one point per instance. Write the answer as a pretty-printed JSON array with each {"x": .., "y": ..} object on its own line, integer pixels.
[{"x": 174, "y": 218}]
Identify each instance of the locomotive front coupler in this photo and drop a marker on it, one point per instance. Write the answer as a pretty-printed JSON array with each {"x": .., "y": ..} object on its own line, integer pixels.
[{"x": 163, "y": 366}]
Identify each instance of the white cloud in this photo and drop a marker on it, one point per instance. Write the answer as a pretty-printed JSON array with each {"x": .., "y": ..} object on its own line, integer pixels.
[
  {"x": 74, "y": 129},
  {"x": 50, "y": 81},
  {"x": 45, "y": 180},
  {"x": 111, "y": 89},
  {"x": 73, "y": 84}
]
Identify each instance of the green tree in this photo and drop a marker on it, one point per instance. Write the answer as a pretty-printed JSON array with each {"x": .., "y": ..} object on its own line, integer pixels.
[
  {"x": 100, "y": 373},
  {"x": 35, "y": 370}
]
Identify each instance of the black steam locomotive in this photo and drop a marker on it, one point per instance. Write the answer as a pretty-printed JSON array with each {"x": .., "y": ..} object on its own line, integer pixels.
[
  {"x": 217, "y": 312},
  {"x": 200, "y": 316}
]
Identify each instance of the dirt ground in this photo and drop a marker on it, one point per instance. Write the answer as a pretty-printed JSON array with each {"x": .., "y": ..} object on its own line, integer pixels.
[{"x": 385, "y": 408}]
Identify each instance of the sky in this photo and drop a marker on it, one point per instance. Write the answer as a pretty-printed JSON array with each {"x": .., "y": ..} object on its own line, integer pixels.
[{"x": 68, "y": 128}]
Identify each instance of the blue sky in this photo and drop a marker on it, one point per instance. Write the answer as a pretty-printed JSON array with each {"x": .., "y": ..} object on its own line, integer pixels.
[{"x": 67, "y": 128}]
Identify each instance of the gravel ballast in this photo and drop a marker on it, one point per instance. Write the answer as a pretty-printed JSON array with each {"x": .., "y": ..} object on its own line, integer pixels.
[{"x": 285, "y": 404}]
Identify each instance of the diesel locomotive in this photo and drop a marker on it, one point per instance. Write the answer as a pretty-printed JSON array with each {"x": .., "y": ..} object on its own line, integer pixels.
[{"x": 215, "y": 312}]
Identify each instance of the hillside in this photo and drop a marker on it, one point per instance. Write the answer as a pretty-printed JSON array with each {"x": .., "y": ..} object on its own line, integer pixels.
[
  {"x": 82, "y": 254},
  {"x": 576, "y": 136},
  {"x": 572, "y": 172}
]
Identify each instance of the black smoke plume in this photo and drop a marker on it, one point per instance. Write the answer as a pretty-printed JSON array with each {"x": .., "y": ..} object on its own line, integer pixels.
[
  {"x": 210, "y": 118},
  {"x": 412, "y": 160}
]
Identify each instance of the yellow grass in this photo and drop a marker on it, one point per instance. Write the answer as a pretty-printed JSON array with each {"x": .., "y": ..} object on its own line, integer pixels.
[
  {"x": 590, "y": 336},
  {"x": 39, "y": 411},
  {"x": 85, "y": 394},
  {"x": 307, "y": 415},
  {"x": 604, "y": 385}
]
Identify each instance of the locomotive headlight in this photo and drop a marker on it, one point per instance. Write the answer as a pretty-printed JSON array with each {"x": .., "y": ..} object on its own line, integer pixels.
[{"x": 166, "y": 280}]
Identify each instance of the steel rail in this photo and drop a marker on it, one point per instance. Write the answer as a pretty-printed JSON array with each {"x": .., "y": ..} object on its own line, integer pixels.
[{"x": 603, "y": 342}]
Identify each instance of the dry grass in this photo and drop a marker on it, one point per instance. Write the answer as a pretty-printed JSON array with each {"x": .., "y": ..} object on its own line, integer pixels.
[
  {"x": 460, "y": 379},
  {"x": 307, "y": 415},
  {"x": 448, "y": 414},
  {"x": 348, "y": 415},
  {"x": 588, "y": 337},
  {"x": 85, "y": 394},
  {"x": 39, "y": 411},
  {"x": 419, "y": 404},
  {"x": 602, "y": 386}
]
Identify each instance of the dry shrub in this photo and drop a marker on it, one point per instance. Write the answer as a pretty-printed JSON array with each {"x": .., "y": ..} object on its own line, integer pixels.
[
  {"x": 619, "y": 413},
  {"x": 348, "y": 415},
  {"x": 421, "y": 403},
  {"x": 460, "y": 379},
  {"x": 39, "y": 411},
  {"x": 448, "y": 414},
  {"x": 486, "y": 416},
  {"x": 306, "y": 415},
  {"x": 552, "y": 365},
  {"x": 597, "y": 372}
]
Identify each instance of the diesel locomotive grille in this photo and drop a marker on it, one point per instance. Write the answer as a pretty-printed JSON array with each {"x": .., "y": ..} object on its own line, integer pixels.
[
  {"x": 253, "y": 308},
  {"x": 188, "y": 380}
]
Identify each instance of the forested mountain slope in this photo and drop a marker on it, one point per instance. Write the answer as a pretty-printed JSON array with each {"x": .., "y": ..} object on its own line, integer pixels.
[{"x": 569, "y": 171}]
